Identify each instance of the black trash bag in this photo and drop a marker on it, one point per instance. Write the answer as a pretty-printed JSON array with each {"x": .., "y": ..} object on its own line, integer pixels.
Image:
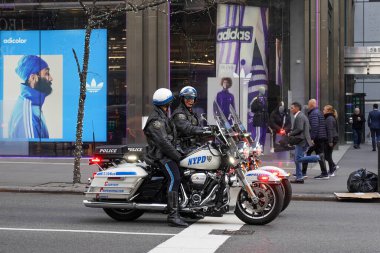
[{"x": 362, "y": 181}]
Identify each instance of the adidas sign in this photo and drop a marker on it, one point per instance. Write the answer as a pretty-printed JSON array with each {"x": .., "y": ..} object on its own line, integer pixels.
[{"x": 242, "y": 33}]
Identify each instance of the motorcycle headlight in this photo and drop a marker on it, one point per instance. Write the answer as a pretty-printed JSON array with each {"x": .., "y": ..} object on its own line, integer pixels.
[
  {"x": 232, "y": 160},
  {"x": 257, "y": 149},
  {"x": 243, "y": 149},
  {"x": 132, "y": 158}
]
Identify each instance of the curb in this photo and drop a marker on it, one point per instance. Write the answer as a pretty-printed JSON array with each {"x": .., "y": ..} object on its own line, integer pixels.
[
  {"x": 314, "y": 197},
  {"x": 36, "y": 189},
  {"x": 81, "y": 190}
]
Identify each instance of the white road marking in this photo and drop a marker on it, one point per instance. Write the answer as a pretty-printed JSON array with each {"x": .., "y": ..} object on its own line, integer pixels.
[
  {"x": 196, "y": 238},
  {"x": 41, "y": 163},
  {"x": 84, "y": 231}
]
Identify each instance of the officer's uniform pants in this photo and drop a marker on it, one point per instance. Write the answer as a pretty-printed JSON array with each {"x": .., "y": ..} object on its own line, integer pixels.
[{"x": 172, "y": 173}]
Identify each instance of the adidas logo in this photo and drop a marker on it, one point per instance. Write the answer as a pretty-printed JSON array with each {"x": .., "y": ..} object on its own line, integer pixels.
[
  {"x": 243, "y": 76},
  {"x": 94, "y": 87},
  {"x": 242, "y": 34}
]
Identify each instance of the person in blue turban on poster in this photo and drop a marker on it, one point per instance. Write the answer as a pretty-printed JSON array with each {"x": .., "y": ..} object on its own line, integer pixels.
[{"x": 27, "y": 120}]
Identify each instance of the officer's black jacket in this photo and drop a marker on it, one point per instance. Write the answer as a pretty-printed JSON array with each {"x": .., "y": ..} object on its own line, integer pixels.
[
  {"x": 186, "y": 122},
  {"x": 161, "y": 136}
]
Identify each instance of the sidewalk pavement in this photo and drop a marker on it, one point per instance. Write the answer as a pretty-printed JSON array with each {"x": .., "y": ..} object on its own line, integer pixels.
[{"x": 54, "y": 175}]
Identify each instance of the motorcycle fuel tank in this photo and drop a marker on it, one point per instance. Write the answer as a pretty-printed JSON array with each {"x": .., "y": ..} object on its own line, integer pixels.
[{"x": 203, "y": 158}]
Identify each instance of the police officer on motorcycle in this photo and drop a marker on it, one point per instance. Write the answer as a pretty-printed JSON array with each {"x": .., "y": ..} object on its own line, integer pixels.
[
  {"x": 161, "y": 136},
  {"x": 186, "y": 121}
]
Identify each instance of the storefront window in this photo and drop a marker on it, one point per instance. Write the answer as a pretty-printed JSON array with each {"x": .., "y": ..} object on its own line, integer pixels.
[
  {"x": 192, "y": 50},
  {"x": 204, "y": 49},
  {"x": 40, "y": 37}
]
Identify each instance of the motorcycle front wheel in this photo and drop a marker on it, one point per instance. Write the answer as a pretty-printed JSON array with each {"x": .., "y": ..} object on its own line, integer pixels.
[
  {"x": 262, "y": 210},
  {"x": 123, "y": 214},
  {"x": 287, "y": 190}
]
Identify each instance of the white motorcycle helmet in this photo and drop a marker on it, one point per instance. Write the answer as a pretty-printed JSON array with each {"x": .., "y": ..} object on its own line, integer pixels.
[
  {"x": 162, "y": 96},
  {"x": 188, "y": 92}
]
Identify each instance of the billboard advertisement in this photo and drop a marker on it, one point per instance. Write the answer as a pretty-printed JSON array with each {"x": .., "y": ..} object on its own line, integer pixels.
[
  {"x": 39, "y": 85},
  {"x": 241, "y": 58}
]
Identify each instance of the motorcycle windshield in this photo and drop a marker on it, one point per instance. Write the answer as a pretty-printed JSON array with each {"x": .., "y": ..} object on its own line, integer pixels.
[
  {"x": 240, "y": 127},
  {"x": 237, "y": 120},
  {"x": 225, "y": 127}
]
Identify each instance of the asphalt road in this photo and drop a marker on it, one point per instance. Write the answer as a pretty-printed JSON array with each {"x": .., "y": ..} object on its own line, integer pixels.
[
  {"x": 66, "y": 214},
  {"x": 60, "y": 223}
]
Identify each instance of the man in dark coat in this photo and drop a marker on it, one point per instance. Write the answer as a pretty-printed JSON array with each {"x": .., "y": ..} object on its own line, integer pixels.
[
  {"x": 279, "y": 122},
  {"x": 357, "y": 120},
  {"x": 374, "y": 125},
  {"x": 318, "y": 135},
  {"x": 259, "y": 108},
  {"x": 161, "y": 136}
]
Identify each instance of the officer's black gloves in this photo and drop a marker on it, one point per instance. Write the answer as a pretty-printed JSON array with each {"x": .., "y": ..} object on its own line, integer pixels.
[{"x": 208, "y": 130}]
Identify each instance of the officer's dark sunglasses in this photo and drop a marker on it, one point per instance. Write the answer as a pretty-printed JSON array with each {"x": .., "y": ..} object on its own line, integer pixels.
[{"x": 189, "y": 97}]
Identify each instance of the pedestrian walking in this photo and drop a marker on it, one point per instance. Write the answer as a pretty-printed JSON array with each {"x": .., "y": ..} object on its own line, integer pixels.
[
  {"x": 357, "y": 120},
  {"x": 318, "y": 135},
  {"x": 301, "y": 133},
  {"x": 374, "y": 125},
  {"x": 332, "y": 136}
]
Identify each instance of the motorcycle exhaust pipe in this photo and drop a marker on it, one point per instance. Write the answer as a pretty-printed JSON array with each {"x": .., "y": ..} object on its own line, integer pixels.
[{"x": 120, "y": 205}]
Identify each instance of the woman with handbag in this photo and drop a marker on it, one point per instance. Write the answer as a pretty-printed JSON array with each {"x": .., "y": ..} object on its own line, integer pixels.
[{"x": 332, "y": 137}]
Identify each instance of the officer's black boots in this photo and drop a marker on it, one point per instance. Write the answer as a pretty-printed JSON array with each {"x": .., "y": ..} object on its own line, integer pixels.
[{"x": 174, "y": 219}]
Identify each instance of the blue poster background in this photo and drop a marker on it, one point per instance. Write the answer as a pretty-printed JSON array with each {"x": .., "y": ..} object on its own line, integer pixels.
[{"x": 61, "y": 42}]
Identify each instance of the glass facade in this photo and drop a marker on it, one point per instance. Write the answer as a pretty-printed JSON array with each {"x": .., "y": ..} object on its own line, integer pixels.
[
  {"x": 366, "y": 34},
  {"x": 189, "y": 36}
]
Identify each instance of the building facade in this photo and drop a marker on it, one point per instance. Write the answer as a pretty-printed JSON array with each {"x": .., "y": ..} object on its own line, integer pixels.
[
  {"x": 300, "y": 44},
  {"x": 364, "y": 88}
]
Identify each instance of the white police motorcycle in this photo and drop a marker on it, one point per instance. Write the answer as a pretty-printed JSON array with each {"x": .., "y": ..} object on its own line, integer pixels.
[
  {"x": 126, "y": 190},
  {"x": 254, "y": 161}
]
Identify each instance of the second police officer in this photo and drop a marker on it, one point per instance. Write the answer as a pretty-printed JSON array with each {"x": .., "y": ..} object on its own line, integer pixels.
[
  {"x": 189, "y": 129},
  {"x": 186, "y": 121}
]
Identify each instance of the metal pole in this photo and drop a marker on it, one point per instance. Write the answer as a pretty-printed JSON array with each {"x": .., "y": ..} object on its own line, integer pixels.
[{"x": 378, "y": 166}]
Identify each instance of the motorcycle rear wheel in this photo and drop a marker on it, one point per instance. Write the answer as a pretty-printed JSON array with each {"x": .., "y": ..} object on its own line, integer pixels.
[
  {"x": 287, "y": 189},
  {"x": 271, "y": 198},
  {"x": 123, "y": 214}
]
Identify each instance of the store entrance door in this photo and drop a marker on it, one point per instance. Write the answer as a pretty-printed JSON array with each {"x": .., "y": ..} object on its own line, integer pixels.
[{"x": 359, "y": 63}]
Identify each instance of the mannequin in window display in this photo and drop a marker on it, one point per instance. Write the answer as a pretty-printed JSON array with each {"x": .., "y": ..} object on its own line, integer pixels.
[{"x": 259, "y": 108}]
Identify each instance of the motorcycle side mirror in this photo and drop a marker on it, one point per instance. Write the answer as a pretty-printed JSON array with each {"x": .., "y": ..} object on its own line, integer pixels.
[
  {"x": 203, "y": 118},
  {"x": 247, "y": 134}
]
